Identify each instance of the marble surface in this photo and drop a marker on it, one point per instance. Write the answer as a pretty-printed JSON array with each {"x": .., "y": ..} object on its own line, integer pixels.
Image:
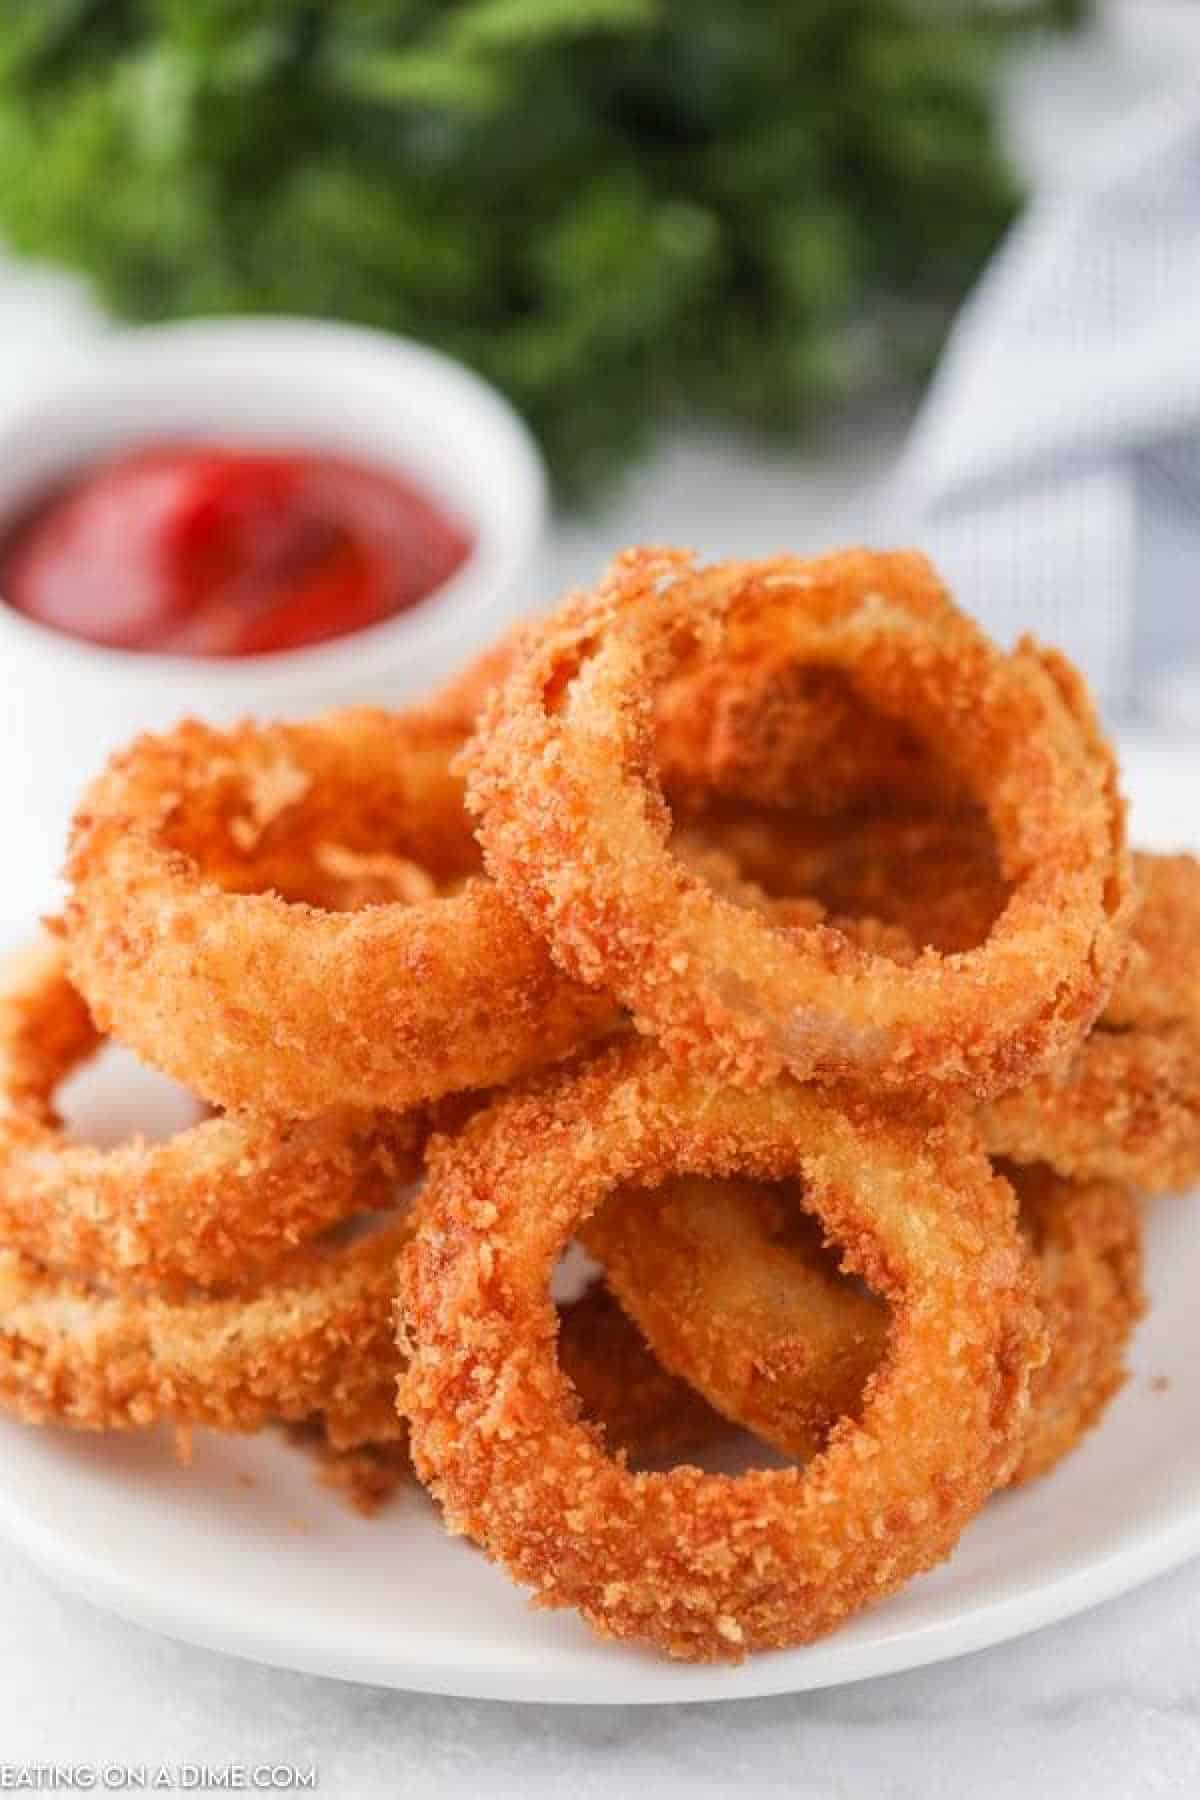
[{"x": 1106, "y": 1706}]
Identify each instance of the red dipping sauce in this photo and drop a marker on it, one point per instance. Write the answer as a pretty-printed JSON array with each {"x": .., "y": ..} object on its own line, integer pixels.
[{"x": 200, "y": 550}]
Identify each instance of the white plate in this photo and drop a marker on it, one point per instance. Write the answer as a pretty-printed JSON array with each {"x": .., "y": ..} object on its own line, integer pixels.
[{"x": 244, "y": 1553}]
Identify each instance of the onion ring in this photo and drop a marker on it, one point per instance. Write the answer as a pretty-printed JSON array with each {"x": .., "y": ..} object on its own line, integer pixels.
[
  {"x": 933, "y": 875},
  {"x": 575, "y": 829},
  {"x": 1126, "y": 1105},
  {"x": 1087, "y": 1243},
  {"x": 316, "y": 1337},
  {"x": 643, "y": 1411},
  {"x": 731, "y": 1287},
  {"x": 1162, "y": 983},
  {"x": 263, "y": 1002},
  {"x": 762, "y": 730},
  {"x": 706, "y": 1566},
  {"x": 210, "y": 1205},
  {"x": 755, "y": 730},
  {"x": 313, "y": 1343}
]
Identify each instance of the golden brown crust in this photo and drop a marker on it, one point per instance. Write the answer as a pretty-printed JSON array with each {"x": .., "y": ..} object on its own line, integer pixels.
[
  {"x": 266, "y": 1002},
  {"x": 1126, "y": 1107},
  {"x": 624, "y": 1388},
  {"x": 213, "y": 1204},
  {"x": 752, "y": 727},
  {"x": 934, "y": 876},
  {"x": 315, "y": 1338},
  {"x": 575, "y": 829},
  {"x": 755, "y": 727},
  {"x": 706, "y": 1566},
  {"x": 1162, "y": 983},
  {"x": 735, "y": 1293},
  {"x": 732, "y": 1287},
  {"x": 1087, "y": 1244}
]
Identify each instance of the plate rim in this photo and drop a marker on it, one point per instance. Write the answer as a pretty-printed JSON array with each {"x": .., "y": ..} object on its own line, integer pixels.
[{"x": 182, "y": 1615}]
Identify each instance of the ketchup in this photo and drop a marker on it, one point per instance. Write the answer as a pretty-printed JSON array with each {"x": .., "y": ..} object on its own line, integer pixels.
[{"x": 202, "y": 550}]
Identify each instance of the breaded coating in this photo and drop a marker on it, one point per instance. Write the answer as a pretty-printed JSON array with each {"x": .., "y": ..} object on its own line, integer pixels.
[
  {"x": 1087, "y": 1245},
  {"x": 759, "y": 728},
  {"x": 733, "y": 1288},
  {"x": 736, "y": 1293},
  {"x": 260, "y": 999},
  {"x": 706, "y": 1566},
  {"x": 1125, "y": 1106},
  {"x": 575, "y": 829},
  {"x": 1162, "y": 983},
  {"x": 213, "y": 1204},
  {"x": 317, "y": 1337},
  {"x": 935, "y": 876},
  {"x": 624, "y": 1388}
]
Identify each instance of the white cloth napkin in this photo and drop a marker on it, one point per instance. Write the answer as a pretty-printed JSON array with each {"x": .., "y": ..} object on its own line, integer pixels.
[{"x": 1054, "y": 470}]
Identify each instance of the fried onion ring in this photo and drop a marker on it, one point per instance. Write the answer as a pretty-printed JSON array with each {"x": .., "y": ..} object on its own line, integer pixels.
[
  {"x": 575, "y": 829},
  {"x": 735, "y": 1293},
  {"x": 758, "y": 730},
  {"x": 210, "y": 1205},
  {"x": 1162, "y": 983},
  {"x": 316, "y": 1337},
  {"x": 730, "y": 1284},
  {"x": 258, "y": 999},
  {"x": 623, "y": 1387},
  {"x": 762, "y": 730},
  {"x": 1087, "y": 1244},
  {"x": 934, "y": 876},
  {"x": 707, "y": 1566},
  {"x": 1126, "y": 1105}
]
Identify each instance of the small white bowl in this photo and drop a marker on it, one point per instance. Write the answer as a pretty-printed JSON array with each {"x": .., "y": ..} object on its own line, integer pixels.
[{"x": 268, "y": 382}]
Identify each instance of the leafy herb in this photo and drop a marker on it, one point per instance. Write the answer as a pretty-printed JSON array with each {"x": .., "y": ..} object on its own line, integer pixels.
[{"x": 616, "y": 209}]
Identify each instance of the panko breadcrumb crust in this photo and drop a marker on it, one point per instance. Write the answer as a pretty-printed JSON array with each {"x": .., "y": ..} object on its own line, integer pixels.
[
  {"x": 1087, "y": 1246},
  {"x": 575, "y": 829},
  {"x": 211, "y": 1205},
  {"x": 735, "y": 1293},
  {"x": 263, "y": 1001},
  {"x": 704, "y": 1566},
  {"x": 864, "y": 879},
  {"x": 314, "y": 1338},
  {"x": 732, "y": 1287}
]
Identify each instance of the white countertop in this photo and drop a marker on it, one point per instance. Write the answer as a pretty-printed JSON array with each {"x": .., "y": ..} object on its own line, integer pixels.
[{"x": 1106, "y": 1706}]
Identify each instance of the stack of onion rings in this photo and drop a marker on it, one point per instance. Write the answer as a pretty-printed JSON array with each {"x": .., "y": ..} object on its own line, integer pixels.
[{"x": 860, "y": 874}]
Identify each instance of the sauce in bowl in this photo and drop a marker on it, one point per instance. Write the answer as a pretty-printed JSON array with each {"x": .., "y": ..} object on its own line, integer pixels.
[{"x": 206, "y": 550}]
